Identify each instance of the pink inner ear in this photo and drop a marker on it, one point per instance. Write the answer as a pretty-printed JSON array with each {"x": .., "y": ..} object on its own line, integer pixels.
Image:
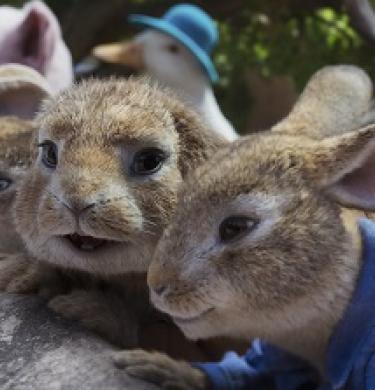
[
  {"x": 36, "y": 40},
  {"x": 359, "y": 185}
]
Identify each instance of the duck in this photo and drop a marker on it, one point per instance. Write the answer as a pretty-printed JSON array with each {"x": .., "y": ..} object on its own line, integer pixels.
[{"x": 175, "y": 50}]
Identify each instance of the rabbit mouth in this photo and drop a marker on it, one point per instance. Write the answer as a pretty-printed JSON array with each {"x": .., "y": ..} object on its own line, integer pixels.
[
  {"x": 185, "y": 321},
  {"x": 86, "y": 243}
]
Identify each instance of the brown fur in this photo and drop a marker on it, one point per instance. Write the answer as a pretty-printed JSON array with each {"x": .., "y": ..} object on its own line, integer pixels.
[
  {"x": 15, "y": 158},
  {"x": 21, "y": 91},
  {"x": 101, "y": 123},
  {"x": 319, "y": 113},
  {"x": 290, "y": 279},
  {"x": 98, "y": 126}
]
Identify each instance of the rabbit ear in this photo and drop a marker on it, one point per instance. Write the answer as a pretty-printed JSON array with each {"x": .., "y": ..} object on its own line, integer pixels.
[
  {"x": 344, "y": 166},
  {"x": 196, "y": 141},
  {"x": 21, "y": 91},
  {"x": 335, "y": 100}
]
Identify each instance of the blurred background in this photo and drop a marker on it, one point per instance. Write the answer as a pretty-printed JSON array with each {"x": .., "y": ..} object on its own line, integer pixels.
[{"x": 267, "y": 48}]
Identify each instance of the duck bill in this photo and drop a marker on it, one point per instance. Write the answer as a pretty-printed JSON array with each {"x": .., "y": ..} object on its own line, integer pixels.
[{"x": 125, "y": 53}]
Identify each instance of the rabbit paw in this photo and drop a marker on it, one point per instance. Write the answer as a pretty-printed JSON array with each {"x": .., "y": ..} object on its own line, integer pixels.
[
  {"x": 161, "y": 370},
  {"x": 19, "y": 274},
  {"x": 22, "y": 274},
  {"x": 78, "y": 305},
  {"x": 98, "y": 312}
]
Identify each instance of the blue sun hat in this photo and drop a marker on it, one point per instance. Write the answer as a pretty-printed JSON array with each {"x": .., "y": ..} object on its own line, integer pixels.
[{"x": 191, "y": 26}]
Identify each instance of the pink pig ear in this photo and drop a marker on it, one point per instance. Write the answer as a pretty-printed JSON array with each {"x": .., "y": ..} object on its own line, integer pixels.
[
  {"x": 22, "y": 90},
  {"x": 37, "y": 36}
]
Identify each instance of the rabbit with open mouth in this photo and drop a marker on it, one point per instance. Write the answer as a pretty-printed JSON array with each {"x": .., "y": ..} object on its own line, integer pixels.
[{"x": 110, "y": 157}]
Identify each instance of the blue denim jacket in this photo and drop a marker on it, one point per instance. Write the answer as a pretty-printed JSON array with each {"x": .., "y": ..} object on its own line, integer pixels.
[{"x": 350, "y": 361}]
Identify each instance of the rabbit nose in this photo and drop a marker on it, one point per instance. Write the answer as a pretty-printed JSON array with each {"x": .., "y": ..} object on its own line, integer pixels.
[{"x": 77, "y": 207}]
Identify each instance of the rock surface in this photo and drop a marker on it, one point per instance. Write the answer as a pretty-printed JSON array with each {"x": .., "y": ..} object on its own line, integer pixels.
[{"x": 39, "y": 350}]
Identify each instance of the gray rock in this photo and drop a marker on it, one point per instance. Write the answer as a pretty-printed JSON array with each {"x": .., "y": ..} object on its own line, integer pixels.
[{"x": 40, "y": 350}]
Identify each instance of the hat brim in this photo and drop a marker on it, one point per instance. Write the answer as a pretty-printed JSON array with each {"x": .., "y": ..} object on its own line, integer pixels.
[{"x": 163, "y": 26}]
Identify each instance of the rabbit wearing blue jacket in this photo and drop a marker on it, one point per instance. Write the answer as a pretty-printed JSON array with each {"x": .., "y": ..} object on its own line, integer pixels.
[{"x": 264, "y": 244}]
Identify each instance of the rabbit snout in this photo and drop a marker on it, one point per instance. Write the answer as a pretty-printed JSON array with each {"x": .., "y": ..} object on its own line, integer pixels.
[
  {"x": 78, "y": 207},
  {"x": 176, "y": 293},
  {"x": 114, "y": 218}
]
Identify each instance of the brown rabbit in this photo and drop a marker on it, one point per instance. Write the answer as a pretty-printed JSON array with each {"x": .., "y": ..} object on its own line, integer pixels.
[
  {"x": 15, "y": 158},
  {"x": 112, "y": 155},
  {"x": 21, "y": 91},
  {"x": 262, "y": 244}
]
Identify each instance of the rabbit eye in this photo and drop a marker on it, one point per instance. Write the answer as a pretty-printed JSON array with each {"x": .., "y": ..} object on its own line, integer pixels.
[
  {"x": 236, "y": 227},
  {"x": 4, "y": 184},
  {"x": 147, "y": 161},
  {"x": 49, "y": 154}
]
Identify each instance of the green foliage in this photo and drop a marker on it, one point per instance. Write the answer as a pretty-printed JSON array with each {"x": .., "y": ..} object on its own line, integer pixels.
[{"x": 284, "y": 43}]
